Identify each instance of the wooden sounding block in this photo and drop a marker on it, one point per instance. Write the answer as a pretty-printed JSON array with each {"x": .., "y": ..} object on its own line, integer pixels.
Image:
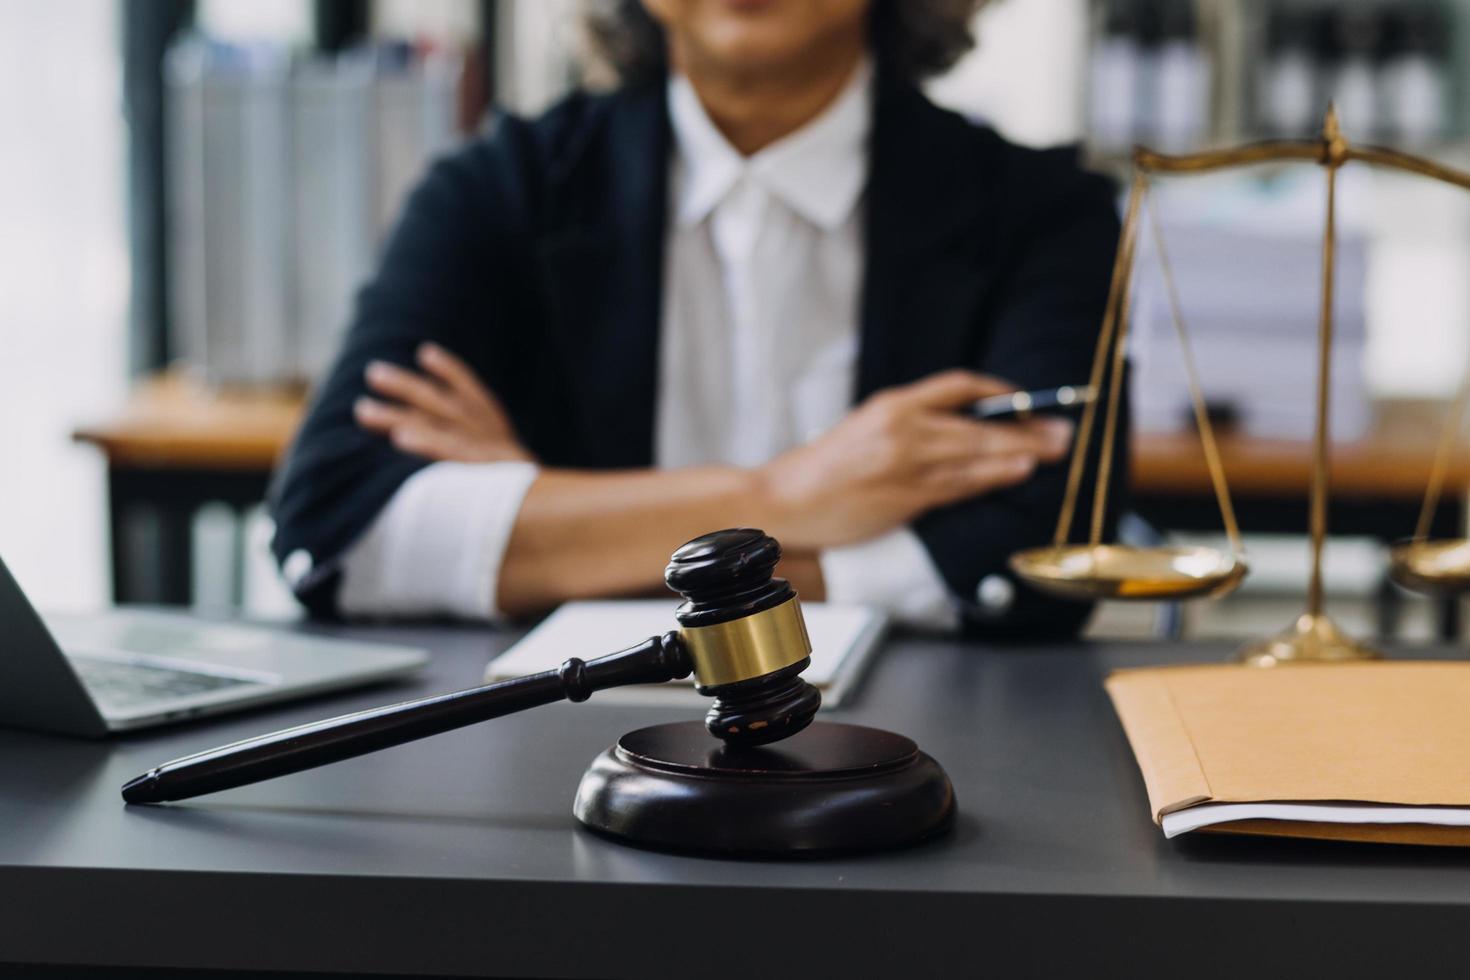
[
  {"x": 774, "y": 783},
  {"x": 832, "y": 788}
]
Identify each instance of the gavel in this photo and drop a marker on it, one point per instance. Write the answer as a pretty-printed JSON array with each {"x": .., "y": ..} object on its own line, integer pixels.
[{"x": 741, "y": 635}]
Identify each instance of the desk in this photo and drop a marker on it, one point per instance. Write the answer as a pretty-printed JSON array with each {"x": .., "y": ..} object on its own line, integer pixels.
[
  {"x": 1377, "y": 486},
  {"x": 175, "y": 447},
  {"x": 458, "y": 855}
]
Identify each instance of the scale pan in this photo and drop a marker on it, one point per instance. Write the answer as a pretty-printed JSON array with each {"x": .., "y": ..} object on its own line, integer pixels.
[
  {"x": 1111, "y": 571},
  {"x": 1440, "y": 566}
]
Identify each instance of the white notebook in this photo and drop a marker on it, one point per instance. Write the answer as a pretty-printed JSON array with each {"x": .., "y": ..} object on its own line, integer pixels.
[{"x": 843, "y": 641}]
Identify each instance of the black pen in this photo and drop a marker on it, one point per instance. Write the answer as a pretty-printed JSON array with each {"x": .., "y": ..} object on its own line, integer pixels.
[{"x": 1024, "y": 404}]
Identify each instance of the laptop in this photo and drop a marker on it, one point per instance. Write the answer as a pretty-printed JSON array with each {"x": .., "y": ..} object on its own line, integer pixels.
[{"x": 115, "y": 671}]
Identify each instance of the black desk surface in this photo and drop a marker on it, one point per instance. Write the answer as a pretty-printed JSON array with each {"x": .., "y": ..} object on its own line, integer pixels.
[{"x": 459, "y": 855}]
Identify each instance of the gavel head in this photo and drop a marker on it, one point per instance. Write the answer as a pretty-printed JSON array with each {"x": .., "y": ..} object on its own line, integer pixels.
[{"x": 745, "y": 636}]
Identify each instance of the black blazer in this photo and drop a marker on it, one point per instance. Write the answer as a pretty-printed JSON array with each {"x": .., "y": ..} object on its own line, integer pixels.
[{"x": 536, "y": 253}]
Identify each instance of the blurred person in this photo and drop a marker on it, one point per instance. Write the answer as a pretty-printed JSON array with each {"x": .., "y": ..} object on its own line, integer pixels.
[{"x": 755, "y": 284}]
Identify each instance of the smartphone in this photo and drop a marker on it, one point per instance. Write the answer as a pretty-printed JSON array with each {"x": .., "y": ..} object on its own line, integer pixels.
[{"x": 1024, "y": 404}]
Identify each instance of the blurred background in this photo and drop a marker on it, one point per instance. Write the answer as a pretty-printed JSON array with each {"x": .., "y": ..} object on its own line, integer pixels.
[{"x": 192, "y": 191}]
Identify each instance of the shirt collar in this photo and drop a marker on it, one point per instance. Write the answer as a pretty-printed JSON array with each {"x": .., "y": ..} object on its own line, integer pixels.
[{"x": 817, "y": 171}]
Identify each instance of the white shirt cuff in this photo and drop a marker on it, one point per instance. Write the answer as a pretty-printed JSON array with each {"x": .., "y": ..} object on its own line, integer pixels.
[
  {"x": 894, "y": 572},
  {"x": 437, "y": 546}
]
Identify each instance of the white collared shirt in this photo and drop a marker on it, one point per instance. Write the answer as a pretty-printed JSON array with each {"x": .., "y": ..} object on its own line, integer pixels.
[{"x": 778, "y": 237}]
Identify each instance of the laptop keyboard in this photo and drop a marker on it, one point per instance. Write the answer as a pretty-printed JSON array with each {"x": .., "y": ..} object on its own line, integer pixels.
[{"x": 123, "y": 685}]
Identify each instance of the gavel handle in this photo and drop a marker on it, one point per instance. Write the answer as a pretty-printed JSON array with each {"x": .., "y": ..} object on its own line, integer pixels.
[{"x": 657, "y": 659}]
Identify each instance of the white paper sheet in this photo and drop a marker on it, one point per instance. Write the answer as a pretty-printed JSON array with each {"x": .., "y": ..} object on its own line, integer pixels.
[
  {"x": 843, "y": 640},
  {"x": 1206, "y": 814}
]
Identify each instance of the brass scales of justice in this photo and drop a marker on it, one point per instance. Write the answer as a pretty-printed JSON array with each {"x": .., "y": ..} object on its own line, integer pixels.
[{"x": 1096, "y": 570}]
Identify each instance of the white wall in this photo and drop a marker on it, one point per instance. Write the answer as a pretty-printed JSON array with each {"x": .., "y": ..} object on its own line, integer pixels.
[
  {"x": 1418, "y": 293},
  {"x": 63, "y": 289},
  {"x": 1026, "y": 73},
  {"x": 537, "y": 40},
  {"x": 444, "y": 20},
  {"x": 256, "y": 20}
]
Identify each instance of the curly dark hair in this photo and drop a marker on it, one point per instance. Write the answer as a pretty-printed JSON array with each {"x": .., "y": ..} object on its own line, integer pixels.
[{"x": 911, "y": 38}]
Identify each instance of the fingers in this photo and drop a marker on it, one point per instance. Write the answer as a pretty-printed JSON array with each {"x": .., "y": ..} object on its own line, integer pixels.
[
  {"x": 412, "y": 430},
  {"x": 950, "y": 438},
  {"x": 466, "y": 385},
  {"x": 408, "y": 429},
  {"x": 952, "y": 389},
  {"x": 968, "y": 458},
  {"x": 376, "y": 416},
  {"x": 1055, "y": 436},
  {"x": 412, "y": 389},
  {"x": 448, "y": 390},
  {"x": 956, "y": 481},
  {"x": 455, "y": 374},
  {"x": 424, "y": 440}
]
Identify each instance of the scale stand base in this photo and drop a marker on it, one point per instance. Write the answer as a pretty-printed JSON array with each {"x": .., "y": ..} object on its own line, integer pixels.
[
  {"x": 1313, "y": 638},
  {"x": 831, "y": 788}
]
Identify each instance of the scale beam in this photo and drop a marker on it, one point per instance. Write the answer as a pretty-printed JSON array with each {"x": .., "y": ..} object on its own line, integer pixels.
[{"x": 1097, "y": 569}]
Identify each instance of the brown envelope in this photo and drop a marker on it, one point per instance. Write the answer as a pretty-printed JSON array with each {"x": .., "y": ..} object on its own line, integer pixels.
[{"x": 1393, "y": 732}]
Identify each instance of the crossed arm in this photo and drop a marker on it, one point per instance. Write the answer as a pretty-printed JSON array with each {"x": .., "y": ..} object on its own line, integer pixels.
[{"x": 579, "y": 534}]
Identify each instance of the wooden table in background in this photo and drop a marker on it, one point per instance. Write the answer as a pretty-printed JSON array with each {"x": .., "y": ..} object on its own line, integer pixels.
[
  {"x": 1377, "y": 486},
  {"x": 178, "y": 445},
  {"x": 175, "y": 447}
]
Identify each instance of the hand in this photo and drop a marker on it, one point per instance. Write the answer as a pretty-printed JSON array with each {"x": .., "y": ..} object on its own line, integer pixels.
[
  {"x": 902, "y": 452},
  {"x": 443, "y": 414},
  {"x": 803, "y": 569}
]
